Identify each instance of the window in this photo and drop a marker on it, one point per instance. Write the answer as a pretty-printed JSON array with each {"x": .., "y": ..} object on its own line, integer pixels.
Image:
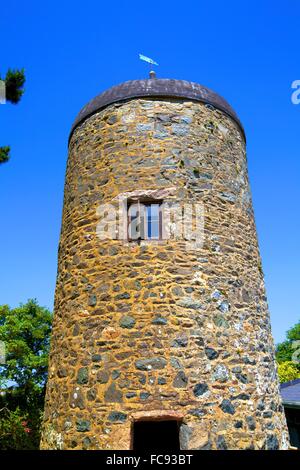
[
  {"x": 156, "y": 435},
  {"x": 144, "y": 221}
]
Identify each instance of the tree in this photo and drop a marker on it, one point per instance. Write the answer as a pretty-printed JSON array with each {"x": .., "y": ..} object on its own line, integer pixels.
[
  {"x": 288, "y": 355},
  {"x": 25, "y": 331},
  {"x": 286, "y": 349},
  {"x": 14, "y": 83}
]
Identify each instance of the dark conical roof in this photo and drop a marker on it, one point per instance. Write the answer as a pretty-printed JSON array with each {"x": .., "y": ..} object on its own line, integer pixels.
[{"x": 163, "y": 87}]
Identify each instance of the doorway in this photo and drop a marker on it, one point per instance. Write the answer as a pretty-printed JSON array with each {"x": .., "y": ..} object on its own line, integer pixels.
[{"x": 156, "y": 435}]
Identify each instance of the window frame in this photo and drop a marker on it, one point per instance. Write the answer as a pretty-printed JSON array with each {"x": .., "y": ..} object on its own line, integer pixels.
[{"x": 146, "y": 202}]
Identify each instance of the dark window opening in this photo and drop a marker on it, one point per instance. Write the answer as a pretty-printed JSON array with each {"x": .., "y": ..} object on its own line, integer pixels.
[
  {"x": 293, "y": 421},
  {"x": 156, "y": 435},
  {"x": 144, "y": 221}
]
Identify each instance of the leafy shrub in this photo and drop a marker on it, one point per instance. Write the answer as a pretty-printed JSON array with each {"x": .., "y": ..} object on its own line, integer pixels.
[
  {"x": 287, "y": 371},
  {"x": 17, "y": 431}
]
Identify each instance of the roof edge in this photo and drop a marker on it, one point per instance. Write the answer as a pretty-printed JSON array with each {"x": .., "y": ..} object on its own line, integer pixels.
[
  {"x": 290, "y": 383},
  {"x": 151, "y": 88},
  {"x": 291, "y": 404}
]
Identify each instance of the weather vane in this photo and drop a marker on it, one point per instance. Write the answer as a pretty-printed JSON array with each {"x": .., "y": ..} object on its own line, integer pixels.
[{"x": 151, "y": 62}]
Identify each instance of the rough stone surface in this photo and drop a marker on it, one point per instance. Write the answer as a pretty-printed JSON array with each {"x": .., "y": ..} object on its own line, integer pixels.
[
  {"x": 200, "y": 389},
  {"x": 180, "y": 380},
  {"x": 127, "y": 321},
  {"x": 83, "y": 375},
  {"x": 194, "y": 436},
  {"x": 152, "y": 310},
  {"x": 227, "y": 407},
  {"x": 83, "y": 426}
]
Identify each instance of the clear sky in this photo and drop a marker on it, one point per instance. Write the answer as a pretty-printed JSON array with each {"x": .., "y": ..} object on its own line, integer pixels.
[{"x": 247, "y": 51}]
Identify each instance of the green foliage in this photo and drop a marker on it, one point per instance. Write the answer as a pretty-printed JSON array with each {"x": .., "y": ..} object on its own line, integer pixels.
[
  {"x": 288, "y": 371},
  {"x": 4, "y": 154},
  {"x": 14, "y": 90},
  {"x": 17, "y": 431},
  {"x": 14, "y": 83},
  {"x": 25, "y": 330},
  {"x": 286, "y": 349},
  {"x": 286, "y": 352}
]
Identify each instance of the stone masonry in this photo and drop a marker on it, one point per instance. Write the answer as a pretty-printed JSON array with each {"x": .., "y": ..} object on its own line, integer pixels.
[{"x": 151, "y": 329}]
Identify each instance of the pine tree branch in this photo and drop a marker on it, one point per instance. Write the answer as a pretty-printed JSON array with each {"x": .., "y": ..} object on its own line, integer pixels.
[
  {"x": 14, "y": 83},
  {"x": 4, "y": 154}
]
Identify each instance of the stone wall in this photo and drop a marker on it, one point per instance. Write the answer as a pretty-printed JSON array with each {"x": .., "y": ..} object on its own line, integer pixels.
[{"x": 153, "y": 329}]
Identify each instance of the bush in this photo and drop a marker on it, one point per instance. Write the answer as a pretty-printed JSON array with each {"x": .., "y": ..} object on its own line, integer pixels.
[
  {"x": 287, "y": 371},
  {"x": 17, "y": 431}
]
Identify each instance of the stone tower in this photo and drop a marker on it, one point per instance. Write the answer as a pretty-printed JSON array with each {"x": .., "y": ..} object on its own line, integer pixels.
[{"x": 153, "y": 337}]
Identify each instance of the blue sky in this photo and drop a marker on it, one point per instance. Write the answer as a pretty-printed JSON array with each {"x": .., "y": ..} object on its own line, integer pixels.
[{"x": 246, "y": 51}]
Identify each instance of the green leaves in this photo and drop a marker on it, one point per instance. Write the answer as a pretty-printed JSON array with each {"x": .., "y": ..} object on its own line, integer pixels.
[
  {"x": 288, "y": 371},
  {"x": 4, "y": 154},
  {"x": 15, "y": 430},
  {"x": 285, "y": 350},
  {"x": 285, "y": 353},
  {"x": 14, "y": 90},
  {"x": 25, "y": 331},
  {"x": 14, "y": 83}
]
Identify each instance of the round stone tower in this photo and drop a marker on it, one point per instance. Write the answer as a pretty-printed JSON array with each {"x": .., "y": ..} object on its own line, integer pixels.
[{"x": 154, "y": 336}]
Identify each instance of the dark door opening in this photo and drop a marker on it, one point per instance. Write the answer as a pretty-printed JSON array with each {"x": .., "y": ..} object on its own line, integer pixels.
[{"x": 156, "y": 435}]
